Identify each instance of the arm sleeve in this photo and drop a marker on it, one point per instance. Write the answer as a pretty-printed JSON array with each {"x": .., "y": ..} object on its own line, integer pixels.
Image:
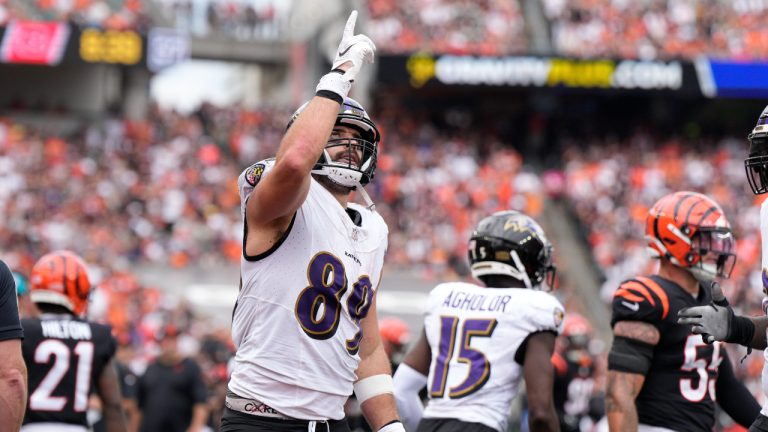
[
  {"x": 733, "y": 397},
  {"x": 10, "y": 324},
  {"x": 408, "y": 382}
]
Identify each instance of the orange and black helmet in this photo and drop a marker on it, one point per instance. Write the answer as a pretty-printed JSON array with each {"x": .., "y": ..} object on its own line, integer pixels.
[
  {"x": 691, "y": 231},
  {"x": 61, "y": 278},
  {"x": 577, "y": 330}
]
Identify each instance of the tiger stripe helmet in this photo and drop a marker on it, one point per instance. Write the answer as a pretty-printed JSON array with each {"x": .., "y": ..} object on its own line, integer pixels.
[
  {"x": 691, "y": 231},
  {"x": 61, "y": 278}
]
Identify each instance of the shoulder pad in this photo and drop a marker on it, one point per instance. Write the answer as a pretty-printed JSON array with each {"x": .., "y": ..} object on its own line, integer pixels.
[
  {"x": 251, "y": 176},
  {"x": 640, "y": 299},
  {"x": 546, "y": 313}
]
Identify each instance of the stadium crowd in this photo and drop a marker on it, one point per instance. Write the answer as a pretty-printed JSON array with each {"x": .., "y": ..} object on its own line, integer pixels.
[
  {"x": 168, "y": 183},
  {"x": 109, "y": 14},
  {"x": 581, "y": 28},
  {"x": 239, "y": 19},
  {"x": 658, "y": 29},
  {"x": 489, "y": 27}
]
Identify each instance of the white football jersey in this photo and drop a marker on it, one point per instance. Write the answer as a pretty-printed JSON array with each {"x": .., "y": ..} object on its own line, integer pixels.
[
  {"x": 296, "y": 322},
  {"x": 474, "y": 334}
]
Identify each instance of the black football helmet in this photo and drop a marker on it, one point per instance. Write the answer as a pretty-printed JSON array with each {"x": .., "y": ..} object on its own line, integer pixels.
[
  {"x": 756, "y": 163},
  {"x": 351, "y": 114},
  {"x": 509, "y": 243}
]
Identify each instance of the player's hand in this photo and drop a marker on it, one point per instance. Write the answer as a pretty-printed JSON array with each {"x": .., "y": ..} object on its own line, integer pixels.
[
  {"x": 713, "y": 321},
  {"x": 354, "y": 50}
]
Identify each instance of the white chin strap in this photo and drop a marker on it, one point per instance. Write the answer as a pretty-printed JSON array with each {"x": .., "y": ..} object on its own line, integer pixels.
[
  {"x": 346, "y": 177},
  {"x": 486, "y": 268}
]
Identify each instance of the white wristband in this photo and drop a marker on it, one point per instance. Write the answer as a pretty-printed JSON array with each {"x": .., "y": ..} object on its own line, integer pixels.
[
  {"x": 393, "y": 427},
  {"x": 372, "y": 386},
  {"x": 334, "y": 82}
]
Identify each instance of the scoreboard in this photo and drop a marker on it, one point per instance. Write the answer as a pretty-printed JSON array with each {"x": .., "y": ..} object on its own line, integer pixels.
[{"x": 54, "y": 43}]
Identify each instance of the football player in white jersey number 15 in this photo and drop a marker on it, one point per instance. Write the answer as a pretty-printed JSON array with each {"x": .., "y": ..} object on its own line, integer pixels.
[
  {"x": 305, "y": 324},
  {"x": 478, "y": 342}
]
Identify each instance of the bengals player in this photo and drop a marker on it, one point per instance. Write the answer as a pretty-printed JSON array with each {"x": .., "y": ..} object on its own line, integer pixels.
[
  {"x": 67, "y": 356},
  {"x": 575, "y": 370},
  {"x": 660, "y": 376}
]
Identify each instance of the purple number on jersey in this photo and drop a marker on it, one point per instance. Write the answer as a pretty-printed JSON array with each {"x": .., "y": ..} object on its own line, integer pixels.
[
  {"x": 327, "y": 284},
  {"x": 479, "y": 366}
]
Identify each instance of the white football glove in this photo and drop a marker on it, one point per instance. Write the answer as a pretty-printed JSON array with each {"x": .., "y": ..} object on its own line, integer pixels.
[{"x": 355, "y": 49}]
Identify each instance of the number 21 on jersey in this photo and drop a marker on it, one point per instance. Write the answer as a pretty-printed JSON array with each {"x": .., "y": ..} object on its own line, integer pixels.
[
  {"x": 479, "y": 366},
  {"x": 41, "y": 398}
]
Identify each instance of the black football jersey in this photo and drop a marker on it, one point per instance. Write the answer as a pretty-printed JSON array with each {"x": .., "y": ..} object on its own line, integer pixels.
[
  {"x": 679, "y": 389},
  {"x": 574, "y": 384},
  {"x": 65, "y": 357}
]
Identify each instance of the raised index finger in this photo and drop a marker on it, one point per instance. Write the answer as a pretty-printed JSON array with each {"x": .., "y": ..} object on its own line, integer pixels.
[{"x": 349, "y": 28}]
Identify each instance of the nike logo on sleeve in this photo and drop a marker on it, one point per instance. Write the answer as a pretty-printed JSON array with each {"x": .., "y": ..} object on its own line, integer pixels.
[{"x": 631, "y": 306}]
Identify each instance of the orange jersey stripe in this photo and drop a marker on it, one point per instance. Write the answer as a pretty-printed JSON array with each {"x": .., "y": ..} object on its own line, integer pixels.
[
  {"x": 637, "y": 286},
  {"x": 621, "y": 292},
  {"x": 648, "y": 282}
]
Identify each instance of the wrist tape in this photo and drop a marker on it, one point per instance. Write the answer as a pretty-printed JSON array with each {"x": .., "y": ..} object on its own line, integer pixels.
[{"x": 333, "y": 84}]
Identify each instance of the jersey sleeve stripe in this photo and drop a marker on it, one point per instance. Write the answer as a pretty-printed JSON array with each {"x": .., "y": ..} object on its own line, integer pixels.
[
  {"x": 660, "y": 293},
  {"x": 640, "y": 288},
  {"x": 624, "y": 293}
]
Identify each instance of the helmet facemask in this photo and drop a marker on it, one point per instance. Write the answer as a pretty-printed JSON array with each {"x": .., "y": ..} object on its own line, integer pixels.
[
  {"x": 348, "y": 173},
  {"x": 712, "y": 253},
  {"x": 756, "y": 164}
]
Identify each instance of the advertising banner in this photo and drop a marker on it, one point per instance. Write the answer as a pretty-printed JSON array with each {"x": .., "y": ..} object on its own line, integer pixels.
[{"x": 420, "y": 70}]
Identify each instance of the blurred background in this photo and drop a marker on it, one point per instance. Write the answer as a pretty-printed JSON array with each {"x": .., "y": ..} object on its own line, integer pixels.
[{"x": 125, "y": 123}]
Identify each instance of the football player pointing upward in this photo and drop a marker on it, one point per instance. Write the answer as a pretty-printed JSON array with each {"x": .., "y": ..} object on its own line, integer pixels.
[
  {"x": 478, "y": 342},
  {"x": 660, "y": 377},
  {"x": 305, "y": 323}
]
